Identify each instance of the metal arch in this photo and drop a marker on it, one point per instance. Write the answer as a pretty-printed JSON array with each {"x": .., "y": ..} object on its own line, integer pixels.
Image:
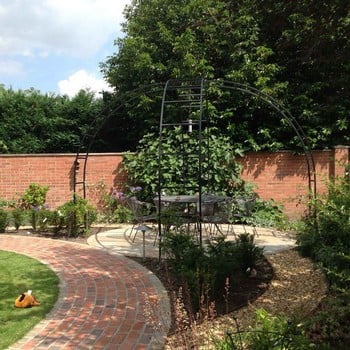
[
  {"x": 288, "y": 117},
  {"x": 89, "y": 138},
  {"x": 97, "y": 125}
]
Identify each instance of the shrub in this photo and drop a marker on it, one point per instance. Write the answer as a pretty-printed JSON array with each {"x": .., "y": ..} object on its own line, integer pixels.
[
  {"x": 330, "y": 325},
  {"x": 110, "y": 204},
  {"x": 269, "y": 214},
  {"x": 57, "y": 221},
  {"x": 76, "y": 216},
  {"x": 187, "y": 262},
  {"x": 204, "y": 270},
  {"x": 325, "y": 237},
  {"x": 33, "y": 201},
  {"x": 247, "y": 252},
  {"x": 122, "y": 214},
  {"x": 44, "y": 219},
  {"x": 39, "y": 218},
  {"x": 18, "y": 217},
  {"x": 222, "y": 171},
  {"x": 268, "y": 333},
  {"x": 34, "y": 196},
  {"x": 222, "y": 261},
  {"x": 4, "y": 220}
]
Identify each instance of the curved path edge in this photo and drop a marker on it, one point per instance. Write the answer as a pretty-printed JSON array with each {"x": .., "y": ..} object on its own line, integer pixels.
[{"x": 106, "y": 300}]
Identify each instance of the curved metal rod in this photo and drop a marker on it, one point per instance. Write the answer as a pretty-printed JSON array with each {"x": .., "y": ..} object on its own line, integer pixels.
[
  {"x": 223, "y": 84},
  {"x": 287, "y": 116},
  {"x": 97, "y": 125}
]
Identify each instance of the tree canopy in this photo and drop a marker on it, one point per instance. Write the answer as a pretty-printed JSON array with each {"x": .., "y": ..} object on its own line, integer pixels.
[
  {"x": 32, "y": 122},
  {"x": 296, "y": 51}
]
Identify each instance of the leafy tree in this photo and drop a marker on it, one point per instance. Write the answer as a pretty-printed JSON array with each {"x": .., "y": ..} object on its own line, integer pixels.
[
  {"x": 294, "y": 51},
  {"x": 220, "y": 171},
  {"x": 35, "y": 123}
]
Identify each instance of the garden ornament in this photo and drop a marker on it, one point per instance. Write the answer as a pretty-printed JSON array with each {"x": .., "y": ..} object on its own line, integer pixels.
[{"x": 26, "y": 299}]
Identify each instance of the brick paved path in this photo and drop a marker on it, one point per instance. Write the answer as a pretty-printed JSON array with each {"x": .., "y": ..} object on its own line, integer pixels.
[{"x": 101, "y": 302}]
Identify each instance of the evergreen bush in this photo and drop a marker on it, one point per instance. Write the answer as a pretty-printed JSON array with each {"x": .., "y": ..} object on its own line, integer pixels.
[{"x": 4, "y": 220}]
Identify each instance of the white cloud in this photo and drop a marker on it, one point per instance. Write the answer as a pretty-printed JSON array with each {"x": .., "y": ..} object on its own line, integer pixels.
[
  {"x": 73, "y": 27},
  {"x": 82, "y": 80}
]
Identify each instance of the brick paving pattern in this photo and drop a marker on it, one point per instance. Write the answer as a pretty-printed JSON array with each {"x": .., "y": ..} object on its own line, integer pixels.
[{"x": 101, "y": 302}]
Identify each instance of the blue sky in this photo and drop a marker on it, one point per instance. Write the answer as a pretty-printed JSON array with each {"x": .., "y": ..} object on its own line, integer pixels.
[{"x": 55, "y": 46}]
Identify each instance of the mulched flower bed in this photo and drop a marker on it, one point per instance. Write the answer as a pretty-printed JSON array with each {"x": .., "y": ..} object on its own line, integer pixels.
[{"x": 243, "y": 291}]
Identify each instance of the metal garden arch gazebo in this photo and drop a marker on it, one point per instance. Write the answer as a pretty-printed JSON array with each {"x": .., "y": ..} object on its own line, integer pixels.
[{"x": 186, "y": 98}]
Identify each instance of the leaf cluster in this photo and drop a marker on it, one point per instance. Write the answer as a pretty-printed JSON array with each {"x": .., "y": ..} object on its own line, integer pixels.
[
  {"x": 325, "y": 237},
  {"x": 296, "y": 52},
  {"x": 204, "y": 269},
  {"x": 220, "y": 172},
  {"x": 32, "y": 122}
]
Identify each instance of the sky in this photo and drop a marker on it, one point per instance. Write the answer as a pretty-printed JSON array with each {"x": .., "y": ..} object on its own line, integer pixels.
[{"x": 55, "y": 46}]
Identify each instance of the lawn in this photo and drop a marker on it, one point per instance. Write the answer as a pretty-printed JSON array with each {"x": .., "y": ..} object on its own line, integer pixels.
[{"x": 18, "y": 274}]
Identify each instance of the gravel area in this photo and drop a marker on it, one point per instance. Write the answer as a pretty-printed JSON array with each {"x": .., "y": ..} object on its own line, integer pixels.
[{"x": 296, "y": 289}]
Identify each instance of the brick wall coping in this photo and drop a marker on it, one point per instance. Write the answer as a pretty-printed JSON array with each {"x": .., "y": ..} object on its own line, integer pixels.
[{"x": 38, "y": 155}]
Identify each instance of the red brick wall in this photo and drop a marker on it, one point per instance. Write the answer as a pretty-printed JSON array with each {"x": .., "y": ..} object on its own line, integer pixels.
[
  {"x": 17, "y": 172},
  {"x": 281, "y": 175}
]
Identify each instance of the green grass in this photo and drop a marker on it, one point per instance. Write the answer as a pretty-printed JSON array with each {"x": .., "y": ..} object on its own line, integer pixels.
[{"x": 18, "y": 273}]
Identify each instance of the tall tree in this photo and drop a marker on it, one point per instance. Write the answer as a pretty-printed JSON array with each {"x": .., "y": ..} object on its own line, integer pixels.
[
  {"x": 297, "y": 52},
  {"x": 31, "y": 122}
]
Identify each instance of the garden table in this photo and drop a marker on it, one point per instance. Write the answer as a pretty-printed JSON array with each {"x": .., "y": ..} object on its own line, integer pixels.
[
  {"x": 206, "y": 198},
  {"x": 191, "y": 212}
]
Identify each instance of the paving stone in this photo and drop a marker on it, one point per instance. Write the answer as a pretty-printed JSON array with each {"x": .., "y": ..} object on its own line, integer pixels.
[{"x": 88, "y": 278}]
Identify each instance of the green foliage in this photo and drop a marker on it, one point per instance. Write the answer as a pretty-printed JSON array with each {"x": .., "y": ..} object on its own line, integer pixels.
[
  {"x": 269, "y": 214},
  {"x": 268, "y": 333},
  {"x": 34, "y": 217},
  {"x": 246, "y": 251},
  {"x": 106, "y": 201},
  {"x": 325, "y": 237},
  {"x": 187, "y": 261},
  {"x": 222, "y": 172},
  {"x": 75, "y": 216},
  {"x": 330, "y": 226},
  {"x": 18, "y": 217},
  {"x": 302, "y": 60},
  {"x": 57, "y": 223},
  {"x": 34, "y": 196},
  {"x": 33, "y": 201},
  {"x": 4, "y": 203},
  {"x": 330, "y": 324},
  {"x": 3, "y": 147},
  {"x": 204, "y": 270},
  {"x": 122, "y": 214},
  {"x": 43, "y": 219},
  {"x": 4, "y": 220},
  {"x": 222, "y": 261},
  {"x": 273, "y": 332},
  {"x": 32, "y": 122}
]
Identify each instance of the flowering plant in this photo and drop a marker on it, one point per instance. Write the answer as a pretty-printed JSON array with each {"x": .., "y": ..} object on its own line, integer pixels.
[
  {"x": 119, "y": 197},
  {"x": 118, "y": 203}
]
